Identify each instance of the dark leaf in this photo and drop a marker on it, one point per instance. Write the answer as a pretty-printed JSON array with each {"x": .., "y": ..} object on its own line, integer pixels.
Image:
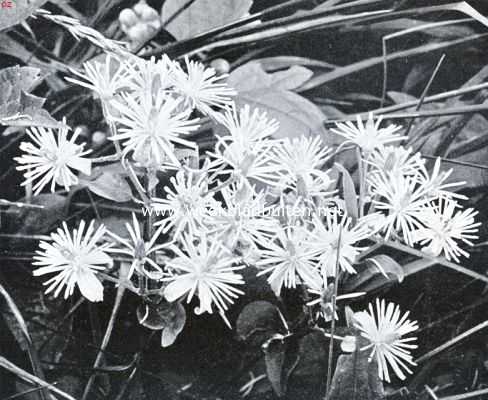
[
  {"x": 271, "y": 64},
  {"x": 471, "y": 148},
  {"x": 307, "y": 379},
  {"x": 35, "y": 221},
  {"x": 258, "y": 322},
  {"x": 45, "y": 318},
  {"x": 349, "y": 192},
  {"x": 451, "y": 31},
  {"x": 175, "y": 326},
  {"x": 281, "y": 358},
  {"x": 355, "y": 377},
  {"x": 401, "y": 97},
  {"x": 169, "y": 317},
  {"x": 373, "y": 276}
]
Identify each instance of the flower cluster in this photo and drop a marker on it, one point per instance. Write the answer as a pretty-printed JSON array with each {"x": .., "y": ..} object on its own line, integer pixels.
[{"x": 233, "y": 210}]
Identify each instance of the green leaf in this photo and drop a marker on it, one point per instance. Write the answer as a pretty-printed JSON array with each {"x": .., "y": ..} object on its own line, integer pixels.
[
  {"x": 281, "y": 358},
  {"x": 272, "y": 93},
  {"x": 20, "y": 10},
  {"x": 355, "y": 377},
  {"x": 184, "y": 21},
  {"x": 110, "y": 185}
]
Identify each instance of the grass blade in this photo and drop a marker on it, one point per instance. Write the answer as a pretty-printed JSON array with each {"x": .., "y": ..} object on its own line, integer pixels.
[
  {"x": 26, "y": 376},
  {"x": 34, "y": 358},
  {"x": 452, "y": 342},
  {"x": 374, "y": 61}
]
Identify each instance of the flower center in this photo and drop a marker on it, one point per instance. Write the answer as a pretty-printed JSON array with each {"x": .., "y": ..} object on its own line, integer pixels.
[
  {"x": 246, "y": 164},
  {"x": 73, "y": 258},
  {"x": 389, "y": 338},
  {"x": 50, "y": 155}
]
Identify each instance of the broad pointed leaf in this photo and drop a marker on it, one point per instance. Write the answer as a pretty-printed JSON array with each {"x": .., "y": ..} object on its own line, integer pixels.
[{"x": 185, "y": 19}]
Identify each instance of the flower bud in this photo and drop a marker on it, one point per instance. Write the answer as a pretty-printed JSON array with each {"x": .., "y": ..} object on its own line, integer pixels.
[
  {"x": 221, "y": 66},
  {"x": 99, "y": 138},
  {"x": 145, "y": 13},
  {"x": 127, "y": 19},
  {"x": 140, "y": 33},
  {"x": 82, "y": 131}
]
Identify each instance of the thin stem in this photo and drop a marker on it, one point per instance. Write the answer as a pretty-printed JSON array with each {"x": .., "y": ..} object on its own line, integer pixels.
[
  {"x": 132, "y": 175},
  {"x": 151, "y": 191},
  {"x": 333, "y": 324},
  {"x": 104, "y": 159},
  {"x": 335, "y": 337},
  {"x": 106, "y": 339},
  {"x": 425, "y": 92},
  {"x": 452, "y": 342},
  {"x": 470, "y": 109},
  {"x": 362, "y": 185},
  {"x": 438, "y": 260},
  {"x": 8, "y": 203},
  {"x": 464, "y": 396}
]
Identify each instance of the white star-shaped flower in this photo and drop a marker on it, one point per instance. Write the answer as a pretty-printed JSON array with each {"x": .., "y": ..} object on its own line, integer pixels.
[
  {"x": 368, "y": 137},
  {"x": 385, "y": 329},
  {"x": 153, "y": 127},
  {"x": 201, "y": 87},
  {"x": 186, "y": 205},
  {"x": 51, "y": 157},
  {"x": 106, "y": 78},
  {"x": 445, "y": 226},
  {"x": 302, "y": 161},
  {"x": 139, "y": 250},
  {"x": 205, "y": 268},
  {"x": 334, "y": 234},
  {"x": 290, "y": 259},
  {"x": 244, "y": 218},
  {"x": 75, "y": 258}
]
